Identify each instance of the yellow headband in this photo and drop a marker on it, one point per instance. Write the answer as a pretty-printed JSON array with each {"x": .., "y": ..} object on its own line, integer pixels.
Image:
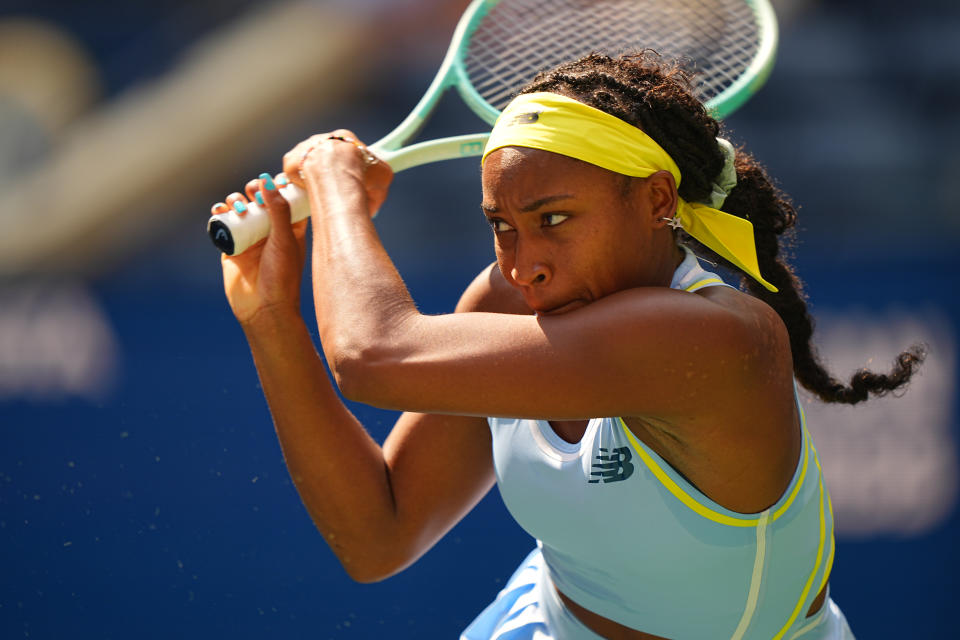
[{"x": 551, "y": 122}]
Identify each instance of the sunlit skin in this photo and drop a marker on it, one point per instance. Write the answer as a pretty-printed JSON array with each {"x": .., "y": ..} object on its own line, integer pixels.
[
  {"x": 568, "y": 233},
  {"x": 584, "y": 259}
]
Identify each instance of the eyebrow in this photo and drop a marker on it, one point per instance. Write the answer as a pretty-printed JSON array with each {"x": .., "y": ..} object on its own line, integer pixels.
[{"x": 533, "y": 206}]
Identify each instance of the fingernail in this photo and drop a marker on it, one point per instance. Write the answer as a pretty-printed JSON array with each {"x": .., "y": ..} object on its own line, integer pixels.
[
  {"x": 267, "y": 181},
  {"x": 239, "y": 206},
  {"x": 259, "y": 198},
  {"x": 221, "y": 206},
  {"x": 282, "y": 180}
]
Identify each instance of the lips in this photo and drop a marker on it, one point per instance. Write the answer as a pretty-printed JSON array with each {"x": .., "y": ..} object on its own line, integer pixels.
[{"x": 560, "y": 309}]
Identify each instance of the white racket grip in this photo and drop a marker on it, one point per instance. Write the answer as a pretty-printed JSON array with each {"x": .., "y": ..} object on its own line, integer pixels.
[{"x": 233, "y": 234}]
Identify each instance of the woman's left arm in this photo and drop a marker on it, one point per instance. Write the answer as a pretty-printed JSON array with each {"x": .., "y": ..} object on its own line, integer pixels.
[{"x": 626, "y": 354}]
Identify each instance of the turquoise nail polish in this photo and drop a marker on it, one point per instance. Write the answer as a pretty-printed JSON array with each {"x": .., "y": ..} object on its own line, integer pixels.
[
  {"x": 282, "y": 180},
  {"x": 259, "y": 198},
  {"x": 239, "y": 206},
  {"x": 267, "y": 181}
]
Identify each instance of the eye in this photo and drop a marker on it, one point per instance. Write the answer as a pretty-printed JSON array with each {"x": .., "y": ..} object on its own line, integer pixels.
[
  {"x": 498, "y": 225},
  {"x": 553, "y": 219}
]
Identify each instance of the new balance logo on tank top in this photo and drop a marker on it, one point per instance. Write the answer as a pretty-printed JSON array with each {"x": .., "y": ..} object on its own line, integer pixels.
[
  {"x": 612, "y": 465},
  {"x": 626, "y": 536}
]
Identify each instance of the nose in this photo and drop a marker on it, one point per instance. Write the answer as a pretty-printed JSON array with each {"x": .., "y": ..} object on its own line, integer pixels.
[{"x": 530, "y": 266}]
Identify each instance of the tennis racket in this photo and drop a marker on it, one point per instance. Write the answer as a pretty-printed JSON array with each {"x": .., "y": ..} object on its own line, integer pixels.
[{"x": 500, "y": 45}]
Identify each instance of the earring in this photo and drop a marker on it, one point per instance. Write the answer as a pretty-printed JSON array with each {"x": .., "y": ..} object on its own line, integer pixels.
[{"x": 673, "y": 223}]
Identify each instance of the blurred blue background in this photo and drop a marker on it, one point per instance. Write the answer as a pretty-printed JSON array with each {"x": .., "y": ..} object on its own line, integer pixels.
[{"x": 142, "y": 490}]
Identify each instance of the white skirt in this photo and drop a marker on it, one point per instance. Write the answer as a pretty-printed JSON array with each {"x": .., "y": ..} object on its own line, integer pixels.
[{"x": 528, "y": 608}]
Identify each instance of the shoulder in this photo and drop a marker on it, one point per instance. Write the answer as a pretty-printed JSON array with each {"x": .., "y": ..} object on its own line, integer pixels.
[
  {"x": 757, "y": 322},
  {"x": 491, "y": 293},
  {"x": 720, "y": 346},
  {"x": 741, "y": 384},
  {"x": 748, "y": 331},
  {"x": 722, "y": 317}
]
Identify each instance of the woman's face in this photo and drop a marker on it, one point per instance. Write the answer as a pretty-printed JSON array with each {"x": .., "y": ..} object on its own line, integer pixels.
[{"x": 568, "y": 232}]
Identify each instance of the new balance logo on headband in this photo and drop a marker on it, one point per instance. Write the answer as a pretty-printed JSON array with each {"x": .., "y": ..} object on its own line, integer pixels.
[
  {"x": 525, "y": 118},
  {"x": 612, "y": 465}
]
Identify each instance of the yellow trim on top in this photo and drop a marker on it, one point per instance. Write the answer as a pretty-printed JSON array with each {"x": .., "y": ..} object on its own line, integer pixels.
[
  {"x": 833, "y": 544},
  {"x": 816, "y": 563},
  {"x": 813, "y": 622},
  {"x": 702, "y": 283},
  {"x": 745, "y": 520},
  {"x": 803, "y": 471}
]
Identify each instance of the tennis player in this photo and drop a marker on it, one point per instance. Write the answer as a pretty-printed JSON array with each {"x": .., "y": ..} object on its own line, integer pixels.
[{"x": 638, "y": 414}]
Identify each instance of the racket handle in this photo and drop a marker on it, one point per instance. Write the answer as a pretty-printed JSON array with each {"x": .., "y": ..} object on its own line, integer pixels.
[{"x": 233, "y": 234}]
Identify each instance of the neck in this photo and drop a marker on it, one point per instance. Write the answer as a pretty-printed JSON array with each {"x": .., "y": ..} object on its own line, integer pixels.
[{"x": 674, "y": 256}]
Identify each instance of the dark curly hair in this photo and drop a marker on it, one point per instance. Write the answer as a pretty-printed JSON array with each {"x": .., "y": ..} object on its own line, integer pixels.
[{"x": 657, "y": 97}]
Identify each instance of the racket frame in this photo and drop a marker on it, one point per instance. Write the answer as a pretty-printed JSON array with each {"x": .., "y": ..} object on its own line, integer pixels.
[
  {"x": 453, "y": 73},
  {"x": 233, "y": 234},
  {"x": 756, "y": 74}
]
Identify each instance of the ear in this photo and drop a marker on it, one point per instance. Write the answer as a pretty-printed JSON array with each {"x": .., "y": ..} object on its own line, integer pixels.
[{"x": 662, "y": 192}]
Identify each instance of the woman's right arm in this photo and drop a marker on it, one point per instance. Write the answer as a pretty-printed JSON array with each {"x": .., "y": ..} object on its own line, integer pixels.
[{"x": 378, "y": 508}]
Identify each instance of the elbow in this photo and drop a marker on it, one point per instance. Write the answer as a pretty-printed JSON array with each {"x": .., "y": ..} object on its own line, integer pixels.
[
  {"x": 354, "y": 371},
  {"x": 372, "y": 570},
  {"x": 368, "y": 577},
  {"x": 383, "y": 552},
  {"x": 347, "y": 360},
  {"x": 363, "y": 579},
  {"x": 368, "y": 362},
  {"x": 361, "y": 372},
  {"x": 365, "y": 576}
]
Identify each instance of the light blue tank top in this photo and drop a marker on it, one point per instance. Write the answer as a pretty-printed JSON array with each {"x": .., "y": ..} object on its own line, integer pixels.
[{"x": 626, "y": 536}]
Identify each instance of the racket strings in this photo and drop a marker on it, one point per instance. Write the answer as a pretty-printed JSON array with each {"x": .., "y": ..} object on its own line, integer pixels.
[{"x": 719, "y": 39}]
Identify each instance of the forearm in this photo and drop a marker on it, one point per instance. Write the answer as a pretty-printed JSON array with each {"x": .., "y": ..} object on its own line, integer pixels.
[
  {"x": 338, "y": 469},
  {"x": 359, "y": 296}
]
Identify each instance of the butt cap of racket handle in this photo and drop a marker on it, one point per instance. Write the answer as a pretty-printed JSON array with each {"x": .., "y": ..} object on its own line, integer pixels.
[{"x": 233, "y": 234}]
